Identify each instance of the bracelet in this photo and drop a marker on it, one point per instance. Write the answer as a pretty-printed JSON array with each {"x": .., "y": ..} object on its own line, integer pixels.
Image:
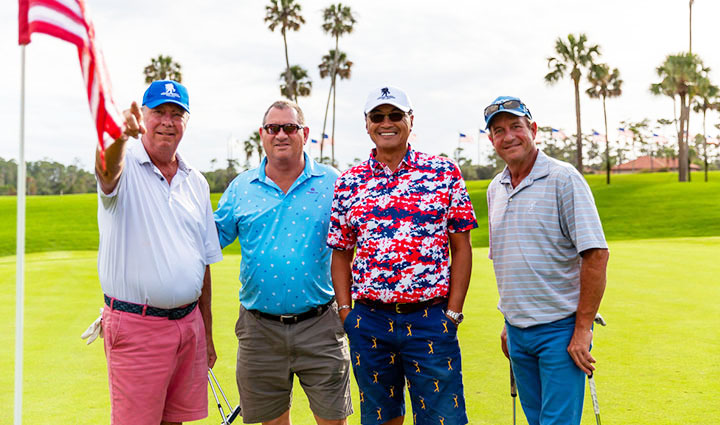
[{"x": 344, "y": 306}]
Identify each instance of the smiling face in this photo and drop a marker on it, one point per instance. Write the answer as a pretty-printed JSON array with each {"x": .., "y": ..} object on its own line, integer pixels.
[
  {"x": 281, "y": 146},
  {"x": 513, "y": 138},
  {"x": 165, "y": 126},
  {"x": 389, "y": 136}
]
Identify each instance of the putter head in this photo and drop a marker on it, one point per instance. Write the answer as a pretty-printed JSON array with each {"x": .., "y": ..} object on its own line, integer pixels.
[
  {"x": 599, "y": 320},
  {"x": 234, "y": 414}
]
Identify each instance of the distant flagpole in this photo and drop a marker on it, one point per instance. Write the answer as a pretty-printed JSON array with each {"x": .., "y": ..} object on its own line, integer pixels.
[{"x": 20, "y": 251}]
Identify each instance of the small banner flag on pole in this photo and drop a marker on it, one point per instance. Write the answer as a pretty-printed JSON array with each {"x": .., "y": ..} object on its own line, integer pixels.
[
  {"x": 558, "y": 134},
  {"x": 597, "y": 137},
  {"x": 68, "y": 20},
  {"x": 464, "y": 138}
]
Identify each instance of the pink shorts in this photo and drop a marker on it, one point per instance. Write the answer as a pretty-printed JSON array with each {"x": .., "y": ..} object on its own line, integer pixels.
[{"x": 157, "y": 368}]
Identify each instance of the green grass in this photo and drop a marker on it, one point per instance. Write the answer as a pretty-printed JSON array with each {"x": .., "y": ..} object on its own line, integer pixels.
[
  {"x": 637, "y": 206},
  {"x": 657, "y": 359}
]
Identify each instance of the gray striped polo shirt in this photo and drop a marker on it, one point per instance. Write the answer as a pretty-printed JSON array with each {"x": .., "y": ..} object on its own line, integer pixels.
[{"x": 537, "y": 232}]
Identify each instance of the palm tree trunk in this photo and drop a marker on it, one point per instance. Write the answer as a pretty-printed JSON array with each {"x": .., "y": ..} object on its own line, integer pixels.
[
  {"x": 332, "y": 136},
  {"x": 687, "y": 137},
  {"x": 579, "y": 131},
  {"x": 289, "y": 84},
  {"x": 705, "y": 148},
  {"x": 607, "y": 144},
  {"x": 327, "y": 106},
  {"x": 334, "y": 78},
  {"x": 682, "y": 151}
]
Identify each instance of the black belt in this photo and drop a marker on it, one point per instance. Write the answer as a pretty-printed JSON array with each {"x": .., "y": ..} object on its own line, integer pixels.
[
  {"x": 290, "y": 319},
  {"x": 402, "y": 308},
  {"x": 146, "y": 310}
]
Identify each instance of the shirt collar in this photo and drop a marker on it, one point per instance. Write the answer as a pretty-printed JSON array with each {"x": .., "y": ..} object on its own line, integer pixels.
[
  {"x": 311, "y": 169},
  {"x": 138, "y": 149},
  {"x": 540, "y": 169},
  {"x": 410, "y": 160}
]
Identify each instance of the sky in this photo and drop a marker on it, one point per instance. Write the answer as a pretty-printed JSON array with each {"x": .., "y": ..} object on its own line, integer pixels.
[{"x": 452, "y": 58}]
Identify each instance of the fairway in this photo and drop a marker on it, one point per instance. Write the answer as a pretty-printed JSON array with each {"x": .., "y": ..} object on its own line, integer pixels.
[{"x": 657, "y": 359}]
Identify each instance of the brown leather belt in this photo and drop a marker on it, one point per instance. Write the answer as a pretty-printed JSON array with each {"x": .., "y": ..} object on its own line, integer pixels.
[{"x": 402, "y": 308}]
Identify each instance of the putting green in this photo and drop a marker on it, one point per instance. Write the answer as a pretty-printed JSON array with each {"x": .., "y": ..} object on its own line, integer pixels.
[{"x": 657, "y": 359}]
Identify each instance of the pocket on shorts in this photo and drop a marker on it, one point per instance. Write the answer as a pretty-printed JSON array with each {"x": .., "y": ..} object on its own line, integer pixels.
[
  {"x": 348, "y": 320},
  {"x": 240, "y": 322},
  {"x": 111, "y": 327}
]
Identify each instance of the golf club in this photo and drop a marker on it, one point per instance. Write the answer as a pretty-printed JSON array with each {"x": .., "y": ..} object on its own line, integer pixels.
[
  {"x": 513, "y": 391},
  {"x": 591, "y": 381},
  {"x": 232, "y": 413}
]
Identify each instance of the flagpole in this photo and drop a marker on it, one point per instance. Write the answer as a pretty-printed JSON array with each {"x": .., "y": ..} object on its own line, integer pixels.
[
  {"x": 20, "y": 250},
  {"x": 479, "y": 136}
]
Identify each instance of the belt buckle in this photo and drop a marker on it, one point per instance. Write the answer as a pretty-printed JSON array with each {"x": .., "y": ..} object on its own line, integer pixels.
[
  {"x": 398, "y": 307},
  {"x": 288, "y": 318}
]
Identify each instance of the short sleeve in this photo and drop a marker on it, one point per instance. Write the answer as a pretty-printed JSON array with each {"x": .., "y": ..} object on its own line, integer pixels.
[
  {"x": 225, "y": 222},
  {"x": 341, "y": 234},
  {"x": 579, "y": 218},
  {"x": 461, "y": 215}
]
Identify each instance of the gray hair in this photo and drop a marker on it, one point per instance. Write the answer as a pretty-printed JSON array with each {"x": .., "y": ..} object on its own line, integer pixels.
[{"x": 286, "y": 104}]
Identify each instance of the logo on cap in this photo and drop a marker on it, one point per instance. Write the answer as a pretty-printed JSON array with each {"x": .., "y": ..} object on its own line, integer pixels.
[
  {"x": 170, "y": 91},
  {"x": 385, "y": 94}
]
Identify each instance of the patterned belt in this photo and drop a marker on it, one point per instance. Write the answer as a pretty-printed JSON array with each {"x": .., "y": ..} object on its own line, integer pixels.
[
  {"x": 146, "y": 310},
  {"x": 291, "y": 319},
  {"x": 402, "y": 308}
]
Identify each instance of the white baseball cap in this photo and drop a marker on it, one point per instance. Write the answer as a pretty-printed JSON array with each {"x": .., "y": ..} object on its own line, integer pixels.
[{"x": 388, "y": 95}]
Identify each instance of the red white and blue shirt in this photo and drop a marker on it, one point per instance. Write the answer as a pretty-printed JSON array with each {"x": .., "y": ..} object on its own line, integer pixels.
[{"x": 399, "y": 223}]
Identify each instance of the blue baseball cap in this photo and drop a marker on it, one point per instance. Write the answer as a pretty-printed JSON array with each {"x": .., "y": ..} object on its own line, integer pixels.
[
  {"x": 509, "y": 104},
  {"x": 166, "y": 91}
]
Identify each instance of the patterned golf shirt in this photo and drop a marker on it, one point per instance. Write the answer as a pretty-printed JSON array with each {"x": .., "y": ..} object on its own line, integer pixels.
[{"x": 399, "y": 223}]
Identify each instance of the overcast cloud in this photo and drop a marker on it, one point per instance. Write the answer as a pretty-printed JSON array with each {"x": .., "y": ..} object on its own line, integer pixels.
[{"x": 452, "y": 59}]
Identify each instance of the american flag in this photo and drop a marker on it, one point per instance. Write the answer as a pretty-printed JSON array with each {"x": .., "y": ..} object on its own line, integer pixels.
[
  {"x": 558, "y": 134},
  {"x": 68, "y": 20},
  {"x": 464, "y": 138}
]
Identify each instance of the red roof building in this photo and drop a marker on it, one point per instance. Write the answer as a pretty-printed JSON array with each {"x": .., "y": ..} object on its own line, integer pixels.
[{"x": 649, "y": 163}]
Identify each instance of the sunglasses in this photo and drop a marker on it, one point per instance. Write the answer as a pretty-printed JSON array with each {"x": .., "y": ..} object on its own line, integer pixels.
[
  {"x": 378, "y": 117},
  {"x": 289, "y": 129},
  {"x": 508, "y": 104}
]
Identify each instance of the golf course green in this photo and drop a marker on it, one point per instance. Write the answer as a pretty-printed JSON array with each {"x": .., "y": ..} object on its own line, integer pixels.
[{"x": 657, "y": 358}]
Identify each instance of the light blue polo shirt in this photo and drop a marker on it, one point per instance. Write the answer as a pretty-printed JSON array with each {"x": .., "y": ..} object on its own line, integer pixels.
[
  {"x": 537, "y": 232},
  {"x": 285, "y": 266}
]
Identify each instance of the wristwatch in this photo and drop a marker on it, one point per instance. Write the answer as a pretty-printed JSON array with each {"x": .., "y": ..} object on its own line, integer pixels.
[{"x": 457, "y": 317}]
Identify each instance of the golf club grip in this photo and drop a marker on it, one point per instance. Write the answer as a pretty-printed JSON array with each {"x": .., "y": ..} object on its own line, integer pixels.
[
  {"x": 513, "y": 386},
  {"x": 234, "y": 415},
  {"x": 593, "y": 395}
]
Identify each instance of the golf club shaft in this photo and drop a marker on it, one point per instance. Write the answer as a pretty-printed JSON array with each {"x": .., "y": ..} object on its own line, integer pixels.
[
  {"x": 221, "y": 390},
  {"x": 593, "y": 396},
  {"x": 513, "y": 392},
  {"x": 219, "y": 405}
]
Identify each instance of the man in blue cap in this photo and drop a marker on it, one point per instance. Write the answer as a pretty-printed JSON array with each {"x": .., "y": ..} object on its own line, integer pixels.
[
  {"x": 157, "y": 240},
  {"x": 550, "y": 256}
]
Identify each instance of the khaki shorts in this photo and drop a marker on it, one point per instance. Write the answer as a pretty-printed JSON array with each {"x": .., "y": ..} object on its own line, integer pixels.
[{"x": 270, "y": 354}]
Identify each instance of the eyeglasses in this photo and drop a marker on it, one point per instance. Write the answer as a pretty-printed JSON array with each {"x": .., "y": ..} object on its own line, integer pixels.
[
  {"x": 289, "y": 128},
  {"x": 378, "y": 117},
  {"x": 508, "y": 104}
]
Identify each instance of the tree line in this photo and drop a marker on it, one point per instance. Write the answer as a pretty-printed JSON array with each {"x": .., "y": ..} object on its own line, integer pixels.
[{"x": 46, "y": 177}]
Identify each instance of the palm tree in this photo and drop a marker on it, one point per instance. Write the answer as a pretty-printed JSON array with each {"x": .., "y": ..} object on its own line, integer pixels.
[
  {"x": 339, "y": 20},
  {"x": 286, "y": 15},
  {"x": 334, "y": 64},
  {"x": 577, "y": 55},
  {"x": 679, "y": 75},
  {"x": 604, "y": 84},
  {"x": 253, "y": 142},
  {"x": 705, "y": 98},
  {"x": 299, "y": 83},
  {"x": 163, "y": 68}
]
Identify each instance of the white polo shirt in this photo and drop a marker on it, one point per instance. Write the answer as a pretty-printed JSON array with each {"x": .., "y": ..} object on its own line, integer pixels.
[{"x": 155, "y": 238}]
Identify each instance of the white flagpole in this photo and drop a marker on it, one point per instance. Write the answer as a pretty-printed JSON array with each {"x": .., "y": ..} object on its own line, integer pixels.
[{"x": 20, "y": 251}]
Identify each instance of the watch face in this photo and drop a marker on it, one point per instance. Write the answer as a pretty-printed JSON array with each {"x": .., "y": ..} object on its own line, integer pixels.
[{"x": 460, "y": 318}]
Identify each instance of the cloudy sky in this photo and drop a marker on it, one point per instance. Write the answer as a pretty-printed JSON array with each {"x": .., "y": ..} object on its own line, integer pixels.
[{"x": 452, "y": 60}]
